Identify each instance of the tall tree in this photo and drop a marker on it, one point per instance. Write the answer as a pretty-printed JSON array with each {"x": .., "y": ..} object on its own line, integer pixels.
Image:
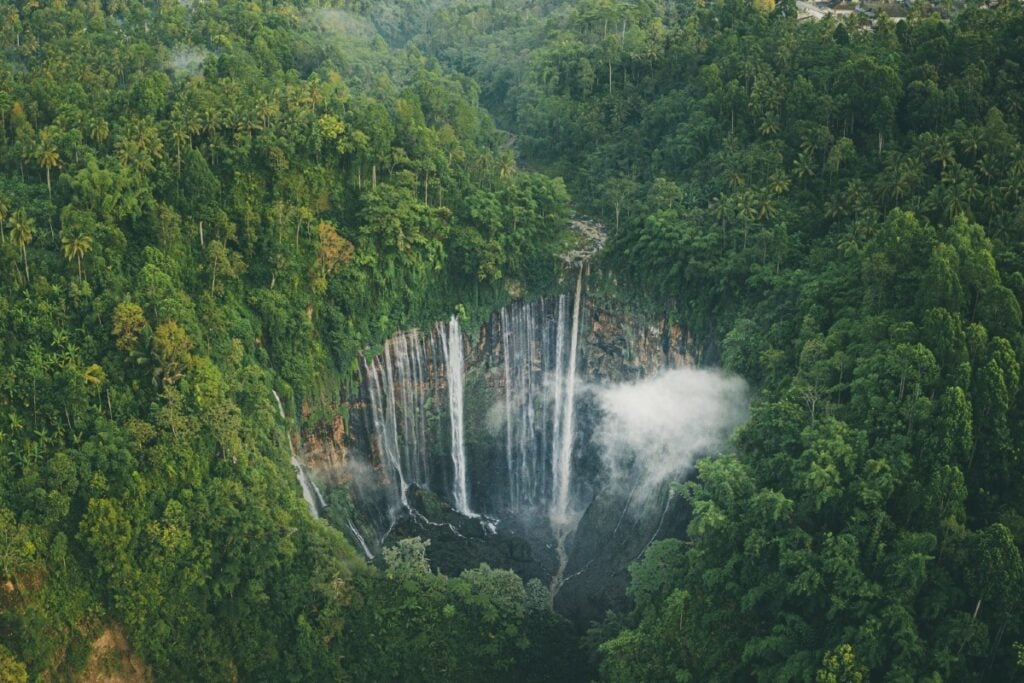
[
  {"x": 76, "y": 247},
  {"x": 23, "y": 228}
]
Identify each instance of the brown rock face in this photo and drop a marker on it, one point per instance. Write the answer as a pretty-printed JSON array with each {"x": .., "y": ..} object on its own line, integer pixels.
[
  {"x": 620, "y": 346},
  {"x": 616, "y": 345},
  {"x": 112, "y": 661},
  {"x": 324, "y": 448}
]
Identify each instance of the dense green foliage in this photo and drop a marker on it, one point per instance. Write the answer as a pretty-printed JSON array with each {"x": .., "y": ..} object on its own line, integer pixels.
[
  {"x": 200, "y": 202},
  {"x": 483, "y": 625},
  {"x": 842, "y": 209},
  {"x": 204, "y": 201}
]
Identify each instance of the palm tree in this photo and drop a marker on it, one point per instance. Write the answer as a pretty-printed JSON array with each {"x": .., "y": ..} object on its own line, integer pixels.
[
  {"x": 961, "y": 190},
  {"x": 507, "y": 167},
  {"x": 937, "y": 148},
  {"x": 313, "y": 94},
  {"x": 970, "y": 139},
  {"x": 140, "y": 146},
  {"x": 803, "y": 165},
  {"x": 747, "y": 211},
  {"x": 1012, "y": 185},
  {"x": 769, "y": 125},
  {"x": 77, "y": 247},
  {"x": 188, "y": 121},
  {"x": 23, "y": 228},
  {"x": 835, "y": 207},
  {"x": 746, "y": 206},
  {"x": 778, "y": 183},
  {"x": 266, "y": 109},
  {"x": 721, "y": 208},
  {"x": 94, "y": 375},
  {"x": 47, "y": 157},
  {"x": 209, "y": 119},
  {"x": 179, "y": 133},
  {"x": 766, "y": 207},
  {"x": 4, "y": 211},
  {"x": 99, "y": 130}
]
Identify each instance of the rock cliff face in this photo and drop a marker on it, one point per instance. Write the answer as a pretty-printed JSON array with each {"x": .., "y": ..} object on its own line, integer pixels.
[
  {"x": 325, "y": 447},
  {"x": 616, "y": 345},
  {"x": 512, "y": 393},
  {"x": 620, "y": 345}
]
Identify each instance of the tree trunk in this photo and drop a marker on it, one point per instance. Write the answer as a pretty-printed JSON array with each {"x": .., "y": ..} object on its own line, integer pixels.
[{"x": 973, "y": 616}]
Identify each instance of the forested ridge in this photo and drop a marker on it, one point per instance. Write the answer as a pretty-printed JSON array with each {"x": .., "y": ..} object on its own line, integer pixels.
[{"x": 204, "y": 202}]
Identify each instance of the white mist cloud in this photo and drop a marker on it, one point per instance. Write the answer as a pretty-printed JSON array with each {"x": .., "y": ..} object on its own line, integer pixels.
[
  {"x": 656, "y": 427},
  {"x": 187, "y": 61},
  {"x": 494, "y": 420},
  {"x": 361, "y": 474},
  {"x": 343, "y": 24}
]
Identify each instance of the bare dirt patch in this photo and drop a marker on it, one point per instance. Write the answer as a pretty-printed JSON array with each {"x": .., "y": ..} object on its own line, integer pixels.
[{"x": 112, "y": 661}]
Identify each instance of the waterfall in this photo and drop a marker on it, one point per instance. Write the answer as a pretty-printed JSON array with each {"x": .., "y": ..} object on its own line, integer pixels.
[
  {"x": 385, "y": 425},
  {"x": 318, "y": 492},
  {"x": 537, "y": 348},
  {"x": 308, "y": 487},
  {"x": 562, "y": 460},
  {"x": 453, "y": 361},
  {"x": 540, "y": 343},
  {"x": 400, "y": 388},
  {"x": 403, "y": 383},
  {"x": 559, "y": 388},
  {"x": 529, "y": 364},
  {"x": 280, "y": 406},
  {"x": 362, "y": 541},
  {"x": 506, "y": 346}
]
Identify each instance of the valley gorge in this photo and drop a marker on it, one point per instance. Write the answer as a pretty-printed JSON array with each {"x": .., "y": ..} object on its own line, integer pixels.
[{"x": 486, "y": 443}]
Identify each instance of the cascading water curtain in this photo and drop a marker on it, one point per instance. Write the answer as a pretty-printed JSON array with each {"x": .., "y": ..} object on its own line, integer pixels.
[
  {"x": 539, "y": 346},
  {"x": 401, "y": 384},
  {"x": 562, "y": 460},
  {"x": 540, "y": 343},
  {"x": 451, "y": 343},
  {"x": 397, "y": 384}
]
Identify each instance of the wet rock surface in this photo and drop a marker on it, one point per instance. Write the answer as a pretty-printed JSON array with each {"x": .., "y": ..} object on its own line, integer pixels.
[
  {"x": 458, "y": 543},
  {"x": 614, "y": 532}
]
